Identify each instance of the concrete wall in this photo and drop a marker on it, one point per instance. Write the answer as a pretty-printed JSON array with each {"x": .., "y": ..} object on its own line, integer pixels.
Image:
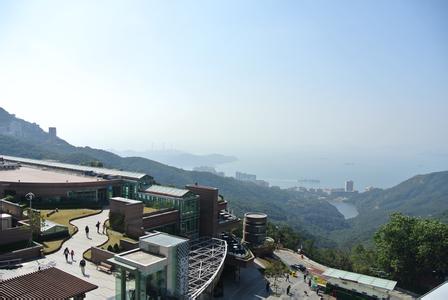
[
  {"x": 100, "y": 255},
  {"x": 14, "y": 235},
  {"x": 13, "y": 209},
  {"x": 24, "y": 254}
]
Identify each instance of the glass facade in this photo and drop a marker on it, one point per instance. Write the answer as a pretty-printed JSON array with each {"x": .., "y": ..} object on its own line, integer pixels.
[
  {"x": 89, "y": 196},
  {"x": 127, "y": 284},
  {"x": 129, "y": 189},
  {"x": 188, "y": 207}
]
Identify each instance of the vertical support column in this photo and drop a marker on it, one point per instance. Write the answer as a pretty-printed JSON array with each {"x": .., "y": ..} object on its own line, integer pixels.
[
  {"x": 137, "y": 285},
  {"x": 123, "y": 283}
]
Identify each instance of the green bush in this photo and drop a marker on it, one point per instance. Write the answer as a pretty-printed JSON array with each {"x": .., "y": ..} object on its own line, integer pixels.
[
  {"x": 110, "y": 248},
  {"x": 116, "y": 248}
]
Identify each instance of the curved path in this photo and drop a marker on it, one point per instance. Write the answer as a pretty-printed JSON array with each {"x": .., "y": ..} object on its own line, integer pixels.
[{"x": 79, "y": 243}]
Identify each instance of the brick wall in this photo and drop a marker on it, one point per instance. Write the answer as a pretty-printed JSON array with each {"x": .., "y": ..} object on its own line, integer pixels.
[
  {"x": 24, "y": 254},
  {"x": 14, "y": 235},
  {"x": 11, "y": 208},
  {"x": 100, "y": 255},
  {"x": 133, "y": 216},
  {"x": 208, "y": 199},
  {"x": 128, "y": 245},
  {"x": 161, "y": 218}
]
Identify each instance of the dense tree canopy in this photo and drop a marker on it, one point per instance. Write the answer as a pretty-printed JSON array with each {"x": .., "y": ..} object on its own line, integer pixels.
[{"x": 413, "y": 249}]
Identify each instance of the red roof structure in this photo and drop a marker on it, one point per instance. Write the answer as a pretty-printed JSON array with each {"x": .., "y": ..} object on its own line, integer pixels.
[{"x": 51, "y": 283}]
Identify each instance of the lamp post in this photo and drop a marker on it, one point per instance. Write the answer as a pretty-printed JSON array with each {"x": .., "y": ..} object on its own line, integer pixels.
[{"x": 30, "y": 197}]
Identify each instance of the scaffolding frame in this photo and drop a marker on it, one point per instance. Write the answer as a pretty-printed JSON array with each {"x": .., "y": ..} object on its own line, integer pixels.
[{"x": 206, "y": 261}]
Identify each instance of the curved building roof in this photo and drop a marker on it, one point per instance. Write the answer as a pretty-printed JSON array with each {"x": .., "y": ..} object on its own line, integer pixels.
[
  {"x": 206, "y": 261},
  {"x": 256, "y": 215},
  {"x": 59, "y": 165}
]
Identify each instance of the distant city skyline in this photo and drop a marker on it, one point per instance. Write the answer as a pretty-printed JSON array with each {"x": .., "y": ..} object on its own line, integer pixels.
[{"x": 230, "y": 77}]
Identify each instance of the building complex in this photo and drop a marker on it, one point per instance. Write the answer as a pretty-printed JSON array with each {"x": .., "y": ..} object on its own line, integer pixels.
[
  {"x": 60, "y": 183},
  {"x": 184, "y": 234}
]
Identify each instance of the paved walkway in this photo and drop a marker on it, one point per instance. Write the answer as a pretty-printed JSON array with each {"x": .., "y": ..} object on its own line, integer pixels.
[
  {"x": 79, "y": 243},
  {"x": 252, "y": 285},
  {"x": 290, "y": 257}
]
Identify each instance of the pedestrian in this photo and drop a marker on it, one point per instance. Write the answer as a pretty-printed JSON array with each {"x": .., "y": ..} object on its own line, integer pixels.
[
  {"x": 268, "y": 285},
  {"x": 66, "y": 252},
  {"x": 287, "y": 277},
  {"x": 309, "y": 282},
  {"x": 72, "y": 253},
  {"x": 98, "y": 227},
  {"x": 288, "y": 289},
  {"x": 87, "y": 231},
  {"x": 82, "y": 264},
  {"x": 304, "y": 277}
]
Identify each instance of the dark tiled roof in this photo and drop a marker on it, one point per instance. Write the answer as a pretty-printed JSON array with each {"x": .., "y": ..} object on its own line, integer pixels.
[{"x": 50, "y": 283}]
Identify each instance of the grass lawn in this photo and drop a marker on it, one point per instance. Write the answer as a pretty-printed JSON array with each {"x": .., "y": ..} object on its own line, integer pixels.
[
  {"x": 63, "y": 217},
  {"x": 114, "y": 237},
  {"x": 266, "y": 263}
]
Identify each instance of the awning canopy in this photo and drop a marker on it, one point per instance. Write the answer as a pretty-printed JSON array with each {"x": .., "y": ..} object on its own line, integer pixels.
[{"x": 49, "y": 283}]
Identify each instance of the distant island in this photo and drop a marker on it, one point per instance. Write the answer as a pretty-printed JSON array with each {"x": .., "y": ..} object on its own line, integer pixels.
[
  {"x": 179, "y": 158},
  {"x": 314, "y": 181}
]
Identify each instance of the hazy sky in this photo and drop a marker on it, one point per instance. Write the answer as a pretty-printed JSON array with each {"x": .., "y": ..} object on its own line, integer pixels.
[{"x": 229, "y": 76}]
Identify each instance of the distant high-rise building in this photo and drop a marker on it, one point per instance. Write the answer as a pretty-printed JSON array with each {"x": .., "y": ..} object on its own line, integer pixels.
[
  {"x": 349, "y": 186},
  {"x": 52, "y": 132},
  {"x": 245, "y": 176}
]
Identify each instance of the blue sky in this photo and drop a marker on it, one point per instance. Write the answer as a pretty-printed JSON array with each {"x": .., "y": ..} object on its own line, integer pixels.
[{"x": 230, "y": 76}]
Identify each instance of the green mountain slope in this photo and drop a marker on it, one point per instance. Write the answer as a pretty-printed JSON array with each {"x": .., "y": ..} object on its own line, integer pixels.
[
  {"x": 422, "y": 195},
  {"x": 304, "y": 214}
]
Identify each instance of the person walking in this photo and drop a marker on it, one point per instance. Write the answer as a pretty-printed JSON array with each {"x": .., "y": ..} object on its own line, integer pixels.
[
  {"x": 66, "y": 252},
  {"x": 87, "y": 231},
  {"x": 72, "y": 254},
  {"x": 82, "y": 264},
  {"x": 288, "y": 289},
  {"x": 287, "y": 277},
  {"x": 98, "y": 226}
]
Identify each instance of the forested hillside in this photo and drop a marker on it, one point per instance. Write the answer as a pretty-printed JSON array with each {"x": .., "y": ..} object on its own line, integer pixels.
[{"x": 422, "y": 196}]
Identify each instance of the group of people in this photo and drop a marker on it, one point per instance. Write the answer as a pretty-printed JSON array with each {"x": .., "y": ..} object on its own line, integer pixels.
[
  {"x": 306, "y": 279},
  {"x": 98, "y": 224},
  {"x": 82, "y": 262},
  {"x": 67, "y": 252}
]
